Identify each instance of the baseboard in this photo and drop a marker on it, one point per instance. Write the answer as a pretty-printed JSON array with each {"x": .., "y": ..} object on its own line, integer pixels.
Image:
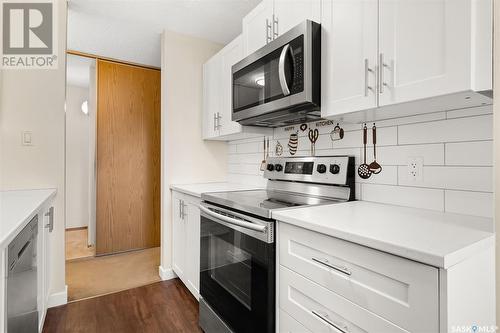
[
  {"x": 166, "y": 274},
  {"x": 57, "y": 299}
]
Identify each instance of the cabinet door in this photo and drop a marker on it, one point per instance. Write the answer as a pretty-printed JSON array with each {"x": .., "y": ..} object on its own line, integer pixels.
[
  {"x": 193, "y": 248},
  {"x": 425, "y": 47},
  {"x": 230, "y": 55},
  {"x": 289, "y": 13},
  {"x": 255, "y": 30},
  {"x": 349, "y": 56},
  {"x": 178, "y": 236},
  {"x": 211, "y": 97}
]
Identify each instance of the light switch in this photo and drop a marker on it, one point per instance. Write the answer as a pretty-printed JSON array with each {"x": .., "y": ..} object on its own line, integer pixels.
[{"x": 27, "y": 138}]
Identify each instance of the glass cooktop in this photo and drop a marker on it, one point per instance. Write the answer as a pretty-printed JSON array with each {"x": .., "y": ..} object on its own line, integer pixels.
[{"x": 262, "y": 202}]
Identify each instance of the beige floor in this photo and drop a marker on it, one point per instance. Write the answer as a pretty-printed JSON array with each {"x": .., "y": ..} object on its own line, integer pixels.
[
  {"x": 76, "y": 244},
  {"x": 103, "y": 275}
]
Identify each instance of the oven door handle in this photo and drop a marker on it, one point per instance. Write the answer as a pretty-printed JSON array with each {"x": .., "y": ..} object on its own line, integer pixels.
[
  {"x": 281, "y": 70},
  {"x": 230, "y": 220}
]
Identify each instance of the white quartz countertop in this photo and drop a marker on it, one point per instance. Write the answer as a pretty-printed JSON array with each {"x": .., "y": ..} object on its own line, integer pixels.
[
  {"x": 17, "y": 208},
  {"x": 197, "y": 189},
  {"x": 434, "y": 238}
]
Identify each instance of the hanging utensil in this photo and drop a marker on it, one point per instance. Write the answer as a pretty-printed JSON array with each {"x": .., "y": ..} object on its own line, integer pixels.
[
  {"x": 293, "y": 143},
  {"x": 337, "y": 133},
  {"x": 313, "y": 137},
  {"x": 279, "y": 149},
  {"x": 364, "y": 169},
  {"x": 303, "y": 127},
  {"x": 267, "y": 156},
  {"x": 263, "y": 164},
  {"x": 374, "y": 166}
]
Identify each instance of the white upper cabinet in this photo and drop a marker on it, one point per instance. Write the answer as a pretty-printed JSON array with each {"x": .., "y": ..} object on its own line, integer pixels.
[
  {"x": 231, "y": 54},
  {"x": 257, "y": 27},
  {"x": 349, "y": 55},
  {"x": 217, "y": 97},
  {"x": 211, "y": 97},
  {"x": 289, "y": 13},
  {"x": 381, "y": 53},
  {"x": 271, "y": 18},
  {"x": 426, "y": 48}
]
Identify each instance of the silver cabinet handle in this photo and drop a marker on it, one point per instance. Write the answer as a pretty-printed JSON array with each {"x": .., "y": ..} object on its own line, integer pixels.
[
  {"x": 218, "y": 121},
  {"x": 180, "y": 208},
  {"x": 268, "y": 32},
  {"x": 329, "y": 322},
  {"x": 183, "y": 209},
  {"x": 382, "y": 66},
  {"x": 50, "y": 215},
  {"x": 367, "y": 71},
  {"x": 340, "y": 269},
  {"x": 215, "y": 122},
  {"x": 275, "y": 24},
  {"x": 281, "y": 70}
]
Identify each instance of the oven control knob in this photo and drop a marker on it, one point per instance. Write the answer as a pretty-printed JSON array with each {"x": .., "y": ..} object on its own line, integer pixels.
[
  {"x": 321, "y": 168},
  {"x": 334, "y": 168},
  {"x": 278, "y": 167},
  {"x": 270, "y": 167}
]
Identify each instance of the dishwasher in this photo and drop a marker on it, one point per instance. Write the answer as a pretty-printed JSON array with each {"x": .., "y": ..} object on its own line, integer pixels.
[{"x": 22, "y": 313}]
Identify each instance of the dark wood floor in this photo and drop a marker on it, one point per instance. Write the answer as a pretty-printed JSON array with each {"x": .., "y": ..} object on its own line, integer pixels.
[{"x": 165, "y": 306}]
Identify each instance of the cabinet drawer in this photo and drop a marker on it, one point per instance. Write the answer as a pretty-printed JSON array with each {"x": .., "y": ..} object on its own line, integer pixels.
[
  {"x": 399, "y": 290},
  {"x": 290, "y": 325},
  {"x": 321, "y": 310}
]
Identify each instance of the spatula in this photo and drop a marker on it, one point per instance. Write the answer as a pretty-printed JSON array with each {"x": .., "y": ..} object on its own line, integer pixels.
[{"x": 263, "y": 164}]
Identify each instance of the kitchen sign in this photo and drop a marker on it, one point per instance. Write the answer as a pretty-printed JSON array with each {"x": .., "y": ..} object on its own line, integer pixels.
[{"x": 29, "y": 37}]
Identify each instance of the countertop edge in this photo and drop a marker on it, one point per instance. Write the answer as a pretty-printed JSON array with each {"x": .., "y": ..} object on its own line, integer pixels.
[
  {"x": 4, "y": 243},
  {"x": 440, "y": 261}
]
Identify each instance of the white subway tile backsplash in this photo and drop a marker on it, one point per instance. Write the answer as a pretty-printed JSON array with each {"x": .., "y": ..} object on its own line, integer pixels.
[
  {"x": 456, "y": 148},
  {"x": 469, "y": 153},
  {"x": 404, "y": 196},
  {"x": 432, "y": 154},
  {"x": 451, "y": 130},
  {"x": 469, "y": 203},
  {"x": 388, "y": 176},
  {"x": 469, "y": 112},
  {"x": 454, "y": 178}
]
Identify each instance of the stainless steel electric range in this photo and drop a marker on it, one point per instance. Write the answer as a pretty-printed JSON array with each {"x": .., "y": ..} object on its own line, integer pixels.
[{"x": 237, "y": 264}]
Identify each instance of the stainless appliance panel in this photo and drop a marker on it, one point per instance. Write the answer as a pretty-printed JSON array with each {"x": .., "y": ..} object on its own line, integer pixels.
[
  {"x": 22, "y": 312},
  {"x": 273, "y": 102}
]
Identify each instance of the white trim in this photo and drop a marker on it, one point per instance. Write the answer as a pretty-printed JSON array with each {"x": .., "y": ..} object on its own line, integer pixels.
[
  {"x": 57, "y": 299},
  {"x": 166, "y": 273}
]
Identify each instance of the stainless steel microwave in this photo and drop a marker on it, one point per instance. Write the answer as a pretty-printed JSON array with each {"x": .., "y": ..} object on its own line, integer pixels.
[{"x": 280, "y": 84}]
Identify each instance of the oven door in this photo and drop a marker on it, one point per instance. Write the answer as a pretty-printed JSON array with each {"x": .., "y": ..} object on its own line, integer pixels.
[{"x": 237, "y": 270}]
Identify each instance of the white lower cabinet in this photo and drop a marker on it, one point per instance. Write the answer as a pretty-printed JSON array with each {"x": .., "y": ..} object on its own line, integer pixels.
[
  {"x": 186, "y": 240},
  {"x": 326, "y": 284}
]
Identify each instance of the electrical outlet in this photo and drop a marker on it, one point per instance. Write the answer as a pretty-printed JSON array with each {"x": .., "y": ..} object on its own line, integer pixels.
[{"x": 416, "y": 169}]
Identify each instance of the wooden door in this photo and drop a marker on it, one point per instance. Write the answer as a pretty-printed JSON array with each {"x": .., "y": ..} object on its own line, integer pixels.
[
  {"x": 128, "y": 158},
  {"x": 425, "y": 47},
  {"x": 349, "y": 56}
]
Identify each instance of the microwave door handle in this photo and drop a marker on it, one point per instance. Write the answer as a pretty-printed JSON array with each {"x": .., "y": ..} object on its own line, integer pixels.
[
  {"x": 281, "y": 70},
  {"x": 230, "y": 220}
]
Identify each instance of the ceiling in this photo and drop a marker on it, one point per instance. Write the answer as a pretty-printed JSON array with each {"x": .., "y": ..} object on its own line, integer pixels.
[
  {"x": 78, "y": 70},
  {"x": 130, "y": 29}
]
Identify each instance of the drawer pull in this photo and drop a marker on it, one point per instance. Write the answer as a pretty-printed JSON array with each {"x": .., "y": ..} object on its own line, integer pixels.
[
  {"x": 329, "y": 322},
  {"x": 325, "y": 262}
]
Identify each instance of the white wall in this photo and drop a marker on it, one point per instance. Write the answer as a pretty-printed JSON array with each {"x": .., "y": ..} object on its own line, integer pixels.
[
  {"x": 77, "y": 158},
  {"x": 109, "y": 37},
  {"x": 456, "y": 147},
  {"x": 496, "y": 124},
  {"x": 34, "y": 100},
  {"x": 186, "y": 158}
]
